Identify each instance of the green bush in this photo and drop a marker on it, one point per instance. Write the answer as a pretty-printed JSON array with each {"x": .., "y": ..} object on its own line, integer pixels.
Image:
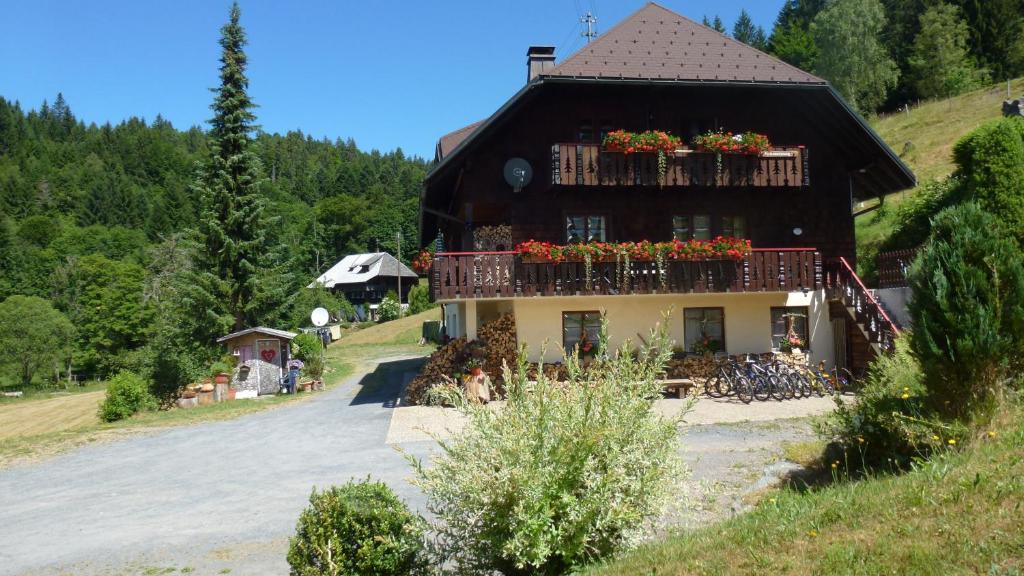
[
  {"x": 419, "y": 299},
  {"x": 991, "y": 162},
  {"x": 389, "y": 309},
  {"x": 127, "y": 394},
  {"x": 359, "y": 528},
  {"x": 305, "y": 346},
  {"x": 968, "y": 318},
  {"x": 313, "y": 367},
  {"x": 891, "y": 422},
  {"x": 564, "y": 474}
]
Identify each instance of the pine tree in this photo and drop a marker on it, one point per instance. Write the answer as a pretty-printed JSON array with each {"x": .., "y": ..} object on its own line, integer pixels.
[
  {"x": 745, "y": 31},
  {"x": 791, "y": 39},
  {"x": 939, "y": 63},
  {"x": 717, "y": 25},
  {"x": 232, "y": 225},
  {"x": 850, "y": 53}
]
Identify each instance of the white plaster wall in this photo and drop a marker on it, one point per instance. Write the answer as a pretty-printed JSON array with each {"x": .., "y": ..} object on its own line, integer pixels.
[{"x": 747, "y": 319}]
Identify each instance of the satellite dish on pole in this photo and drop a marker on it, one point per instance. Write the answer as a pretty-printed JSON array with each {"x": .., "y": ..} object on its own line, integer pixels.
[
  {"x": 319, "y": 317},
  {"x": 517, "y": 173}
]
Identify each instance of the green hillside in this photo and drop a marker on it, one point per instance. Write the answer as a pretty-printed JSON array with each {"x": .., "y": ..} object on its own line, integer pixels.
[{"x": 924, "y": 139}]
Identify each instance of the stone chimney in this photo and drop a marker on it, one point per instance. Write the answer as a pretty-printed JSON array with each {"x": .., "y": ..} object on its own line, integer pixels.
[{"x": 539, "y": 59}]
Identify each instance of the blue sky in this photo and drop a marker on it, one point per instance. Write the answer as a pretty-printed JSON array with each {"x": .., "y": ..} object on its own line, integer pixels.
[{"x": 386, "y": 73}]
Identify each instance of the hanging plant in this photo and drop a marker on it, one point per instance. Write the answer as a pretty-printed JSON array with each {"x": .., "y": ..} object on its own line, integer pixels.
[
  {"x": 422, "y": 262},
  {"x": 648, "y": 141}
]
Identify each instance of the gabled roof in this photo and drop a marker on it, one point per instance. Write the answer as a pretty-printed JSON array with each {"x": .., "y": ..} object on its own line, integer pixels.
[
  {"x": 258, "y": 330},
  {"x": 360, "y": 268},
  {"x": 655, "y": 43},
  {"x": 449, "y": 141}
]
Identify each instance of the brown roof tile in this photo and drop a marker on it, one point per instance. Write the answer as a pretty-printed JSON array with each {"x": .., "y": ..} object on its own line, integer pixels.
[
  {"x": 451, "y": 140},
  {"x": 656, "y": 43}
]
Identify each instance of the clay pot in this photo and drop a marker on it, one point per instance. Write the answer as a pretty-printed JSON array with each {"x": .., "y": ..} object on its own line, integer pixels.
[
  {"x": 206, "y": 388},
  {"x": 231, "y": 393},
  {"x": 221, "y": 378}
]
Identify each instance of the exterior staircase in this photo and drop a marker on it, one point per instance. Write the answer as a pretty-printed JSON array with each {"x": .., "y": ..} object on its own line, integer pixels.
[{"x": 874, "y": 326}]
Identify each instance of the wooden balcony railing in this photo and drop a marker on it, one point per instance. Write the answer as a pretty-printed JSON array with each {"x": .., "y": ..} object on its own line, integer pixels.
[
  {"x": 462, "y": 275},
  {"x": 587, "y": 165},
  {"x": 893, "y": 266},
  {"x": 843, "y": 284}
]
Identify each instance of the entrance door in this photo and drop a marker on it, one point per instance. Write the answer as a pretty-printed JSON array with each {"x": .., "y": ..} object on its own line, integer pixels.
[{"x": 270, "y": 352}]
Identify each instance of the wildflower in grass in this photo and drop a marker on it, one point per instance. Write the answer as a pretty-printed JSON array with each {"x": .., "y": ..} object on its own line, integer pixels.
[
  {"x": 991, "y": 434},
  {"x": 936, "y": 438},
  {"x": 905, "y": 396},
  {"x": 813, "y": 533},
  {"x": 835, "y": 465},
  {"x": 952, "y": 442}
]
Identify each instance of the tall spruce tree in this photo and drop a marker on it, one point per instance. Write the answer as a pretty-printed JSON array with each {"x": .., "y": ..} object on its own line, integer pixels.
[
  {"x": 747, "y": 32},
  {"x": 232, "y": 226},
  {"x": 939, "y": 63}
]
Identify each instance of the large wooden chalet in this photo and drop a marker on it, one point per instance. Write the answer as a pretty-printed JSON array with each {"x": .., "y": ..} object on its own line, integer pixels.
[{"x": 657, "y": 70}]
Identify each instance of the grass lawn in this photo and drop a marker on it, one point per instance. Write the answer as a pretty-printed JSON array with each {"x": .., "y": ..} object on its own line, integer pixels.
[
  {"x": 960, "y": 513},
  {"x": 931, "y": 129},
  {"x": 39, "y": 425}
]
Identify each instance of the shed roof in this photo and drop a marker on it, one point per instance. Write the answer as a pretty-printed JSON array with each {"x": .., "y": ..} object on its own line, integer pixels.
[
  {"x": 655, "y": 43},
  {"x": 258, "y": 330},
  {"x": 360, "y": 268}
]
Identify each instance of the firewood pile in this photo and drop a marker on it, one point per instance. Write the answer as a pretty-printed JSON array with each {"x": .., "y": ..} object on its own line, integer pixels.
[
  {"x": 495, "y": 345},
  {"x": 691, "y": 367},
  {"x": 445, "y": 362},
  {"x": 498, "y": 340}
]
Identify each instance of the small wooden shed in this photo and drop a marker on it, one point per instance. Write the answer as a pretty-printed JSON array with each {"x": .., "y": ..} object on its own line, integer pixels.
[{"x": 263, "y": 355}]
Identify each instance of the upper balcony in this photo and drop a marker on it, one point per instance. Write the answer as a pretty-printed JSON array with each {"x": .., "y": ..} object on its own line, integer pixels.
[
  {"x": 575, "y": 164},
  {"x": 476, "y": 275}
]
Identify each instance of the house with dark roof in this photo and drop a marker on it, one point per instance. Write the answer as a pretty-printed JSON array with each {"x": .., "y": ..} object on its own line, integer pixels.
[
  {"x": 364, "y": 280},
  {"x": 751, "y": 245}
]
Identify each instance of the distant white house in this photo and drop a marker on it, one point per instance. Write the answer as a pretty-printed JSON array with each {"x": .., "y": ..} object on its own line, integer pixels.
[{"x": 364, "y": 279}]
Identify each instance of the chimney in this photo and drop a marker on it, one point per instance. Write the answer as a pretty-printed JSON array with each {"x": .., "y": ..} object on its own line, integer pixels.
[{"x": 539, "y": 59}]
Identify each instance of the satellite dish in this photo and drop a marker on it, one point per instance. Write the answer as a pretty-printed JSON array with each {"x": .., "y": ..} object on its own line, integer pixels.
[
  {"x": 319, "y": 317},
  {"x": 518, "y": 173}
]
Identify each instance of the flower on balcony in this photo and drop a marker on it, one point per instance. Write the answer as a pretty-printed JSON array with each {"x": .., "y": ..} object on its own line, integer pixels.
[
  {"x": 649, "y": 141},
  {"x": 421, "y": 263},
  {"x": 720, "y": 248},
  {"x": 728, "y": 143},
  {"x": 705, "y": 345}
]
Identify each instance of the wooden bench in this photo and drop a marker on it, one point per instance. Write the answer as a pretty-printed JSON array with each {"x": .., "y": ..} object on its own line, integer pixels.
[{"x": 679, "y": 386}]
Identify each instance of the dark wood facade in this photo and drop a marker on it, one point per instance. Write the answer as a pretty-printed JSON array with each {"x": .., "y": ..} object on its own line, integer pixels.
[{"x": 814, "y": 197}]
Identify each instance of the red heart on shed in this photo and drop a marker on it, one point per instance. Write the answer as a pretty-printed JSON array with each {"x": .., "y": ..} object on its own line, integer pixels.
[{"x": 268, "y": 354}]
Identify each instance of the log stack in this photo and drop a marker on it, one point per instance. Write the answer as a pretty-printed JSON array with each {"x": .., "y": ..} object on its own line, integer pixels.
[
  {"x": 445, "y": 362},
  {"x": 498, "y": 339}
]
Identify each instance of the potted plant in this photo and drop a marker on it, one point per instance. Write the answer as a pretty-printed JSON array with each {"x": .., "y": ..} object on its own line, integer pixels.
[
  {"x": 313, "y": 367},
  {"x": 720, "y": 142},
  {"x": 474, "y": 365},
  {"x": 220, "y": 372},
  {"x": 706, "y": 345}
]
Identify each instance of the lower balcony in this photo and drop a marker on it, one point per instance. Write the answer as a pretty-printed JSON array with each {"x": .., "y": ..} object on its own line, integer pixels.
[{"x": 477, "y": 275}]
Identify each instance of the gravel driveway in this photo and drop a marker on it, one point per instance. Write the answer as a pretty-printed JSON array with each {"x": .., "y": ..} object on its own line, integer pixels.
[
  {"x": 211, "y": 497},
  {"x": 223, "y": 497}
]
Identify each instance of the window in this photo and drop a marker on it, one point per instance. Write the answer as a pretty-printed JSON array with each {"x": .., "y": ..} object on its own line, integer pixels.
[
  {"x": 584, "y": 228},
  {"x": 585, "y": 133},
  {"x": 704, "y": 329},
  {"x": 789, "y": 328},
  {"x": 735, "y": 226},
  {"x": 697, "y": 226},
  {"x": 575, "y": 324}
]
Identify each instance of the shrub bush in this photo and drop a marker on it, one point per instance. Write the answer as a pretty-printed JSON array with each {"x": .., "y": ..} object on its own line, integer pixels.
[
  {"x": 358, "y": 528},
  {"x": 991, "y": 162},
  {"x": 127, "y": 394},
  {"x": 564, "y": 474},
  {"x": 389, "y": 309},
  {"x": 419, "y": 299},
  {"x": 891, "y": 422},
  {"x": 968, "y": 286},
  {"x": 305, "y": 346}
]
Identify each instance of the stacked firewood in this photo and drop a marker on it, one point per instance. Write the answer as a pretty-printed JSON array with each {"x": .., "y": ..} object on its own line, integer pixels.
[
  {"x": 691, "y": 367},
  {"x": 445, "y": 362},
  {"x": 498, "y": 339}
]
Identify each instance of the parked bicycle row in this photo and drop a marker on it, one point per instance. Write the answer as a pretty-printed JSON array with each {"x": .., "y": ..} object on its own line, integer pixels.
[{"x": 763, "y": 377}]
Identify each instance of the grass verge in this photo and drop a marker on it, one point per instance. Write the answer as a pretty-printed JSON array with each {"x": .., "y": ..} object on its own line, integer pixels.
[{"x": 959, "y": 513}]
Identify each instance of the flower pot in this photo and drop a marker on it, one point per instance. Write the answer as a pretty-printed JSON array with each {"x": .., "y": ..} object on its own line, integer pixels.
[
  {"x": 221, "y": 378},
  {"x": 231, "y": 393},
  {"x": 307, "y": 386},
  {"x": 476, "y": 372}
]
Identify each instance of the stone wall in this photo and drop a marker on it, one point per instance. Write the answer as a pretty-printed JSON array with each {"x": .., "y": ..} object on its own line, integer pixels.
[{"x": 257, "y": 375}]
